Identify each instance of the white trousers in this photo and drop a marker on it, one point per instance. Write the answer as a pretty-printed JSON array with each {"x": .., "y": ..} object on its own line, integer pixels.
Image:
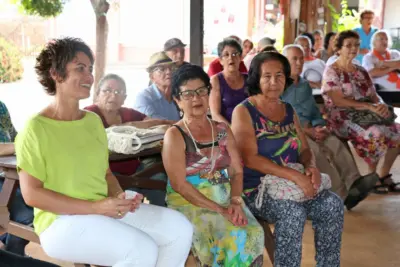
[{"x": 151, "y": 236}]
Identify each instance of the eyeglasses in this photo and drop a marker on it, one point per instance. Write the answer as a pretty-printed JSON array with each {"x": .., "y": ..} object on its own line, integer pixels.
[
  {"x": 189, "y": 94},
  {"x": 164, "y": 68},
  {"x": 348, "y": 46},
  {"x": 115, "y": 92},
  {"x": 235, "y": 54}
]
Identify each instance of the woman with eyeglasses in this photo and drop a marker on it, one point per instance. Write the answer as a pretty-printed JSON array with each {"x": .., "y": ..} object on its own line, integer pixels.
[
  {"x": 197, "y": 152},
  {"x": 228, "y": 85},
  {"x": 109, "y": 106},
  {"x": 370, "y": 127}
]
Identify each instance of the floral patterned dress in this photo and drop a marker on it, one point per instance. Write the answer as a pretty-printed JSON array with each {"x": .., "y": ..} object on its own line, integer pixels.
[
  {"x": 7, "y": 130},
  {"x": 370, "y": 142},
  {"x": 216, "y": 241}
]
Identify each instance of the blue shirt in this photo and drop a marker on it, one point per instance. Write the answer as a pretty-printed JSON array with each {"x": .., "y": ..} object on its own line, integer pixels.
[
  {"x": 153, "y": 104},
  {"x": 302, "y": 100},
  {"x": 365, "y": 40},
  {"x": 7, "y": 130}
]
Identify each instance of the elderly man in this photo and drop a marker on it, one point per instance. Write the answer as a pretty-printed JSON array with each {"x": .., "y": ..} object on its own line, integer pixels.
[
  {"x": 332, "y": 156},
  {"x": 19, "y": 211},
  {"x": 156, "y": 101},
  {"x": 263, "y": 43},
  {"x": 175, "y": 50}
]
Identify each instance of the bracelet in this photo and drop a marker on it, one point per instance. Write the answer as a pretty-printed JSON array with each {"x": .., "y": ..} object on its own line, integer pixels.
[{"x": 237, "y": 200}]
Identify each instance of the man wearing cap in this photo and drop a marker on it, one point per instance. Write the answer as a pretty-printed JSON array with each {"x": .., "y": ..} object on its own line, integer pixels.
[
  {"x": 264, "y": 42},
  {"x": 156, "y": 101},
  {"x": 175, "y": 50}
]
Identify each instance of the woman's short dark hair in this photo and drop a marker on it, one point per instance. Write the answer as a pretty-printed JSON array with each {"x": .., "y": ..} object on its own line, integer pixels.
[
  {"x": 339, "y": 40},
  {"x": 327, "y": 38},
  {"x": 186, "y": 73},
  {"x": 269, "y": 48},
  {"x": 229, "y": 42},
  {"x": 254, "y": 75},
  {"x": 112, "y": 76},
  {"x": 55, "y": 57}
]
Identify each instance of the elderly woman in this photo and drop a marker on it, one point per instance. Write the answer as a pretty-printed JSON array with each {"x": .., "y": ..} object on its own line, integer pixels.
[
  {"x": 348, "y": 87},
  {"x": 81, "y": 212},
  {"x": 196, "y": 154},
  {"x": 313, "y": 67},
  {"x": 270, "y": 137},
  {"x": 110, "y": 99},
  {"x": 328, "y": 48},
  {"x": 19, "y": 211},
  {"x": 318, "y": 40},
  {"x": 155, "y": 101},
  {"x": 382, "y": 62},
  {"x": 228, "y": 85},
  {"x": 247, "y": 47}
]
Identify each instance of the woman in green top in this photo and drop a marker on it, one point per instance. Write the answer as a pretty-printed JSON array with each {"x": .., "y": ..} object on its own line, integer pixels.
[{"x": 81, "y": 213}]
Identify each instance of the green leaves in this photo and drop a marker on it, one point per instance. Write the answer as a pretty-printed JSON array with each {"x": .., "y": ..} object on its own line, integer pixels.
[
  {"x": 42, "y": 8},
  {"x": 346, "y": 20}
]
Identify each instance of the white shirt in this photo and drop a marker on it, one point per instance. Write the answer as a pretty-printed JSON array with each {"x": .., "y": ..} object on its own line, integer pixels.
[
  {"x": 313, "y": 70},
  {"x": 370, "y": 61},
  {"x": 333, "y": 59}
]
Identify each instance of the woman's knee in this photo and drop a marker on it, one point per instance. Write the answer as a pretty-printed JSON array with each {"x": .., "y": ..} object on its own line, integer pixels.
[
  {"x": 332, "y": 205},
  {"x": 182, "y": 223}
]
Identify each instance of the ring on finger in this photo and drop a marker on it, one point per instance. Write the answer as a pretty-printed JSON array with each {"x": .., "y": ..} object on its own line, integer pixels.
[{"x": 119, "y": 213}]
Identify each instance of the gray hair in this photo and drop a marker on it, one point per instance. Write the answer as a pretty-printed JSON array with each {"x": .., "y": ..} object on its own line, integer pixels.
[
  {"x": 303, "y": 37},
  {"x": 115, "y": 77},
  {"x": 290, "y": 46},
  {"x": 375, "y": 36}
]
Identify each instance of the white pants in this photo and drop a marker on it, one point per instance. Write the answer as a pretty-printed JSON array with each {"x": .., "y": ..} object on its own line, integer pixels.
[{"x": 151, "y": 236}]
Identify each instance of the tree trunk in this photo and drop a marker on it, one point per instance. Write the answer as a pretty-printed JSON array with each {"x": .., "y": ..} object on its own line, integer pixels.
[{"x": 100, "y": 8}]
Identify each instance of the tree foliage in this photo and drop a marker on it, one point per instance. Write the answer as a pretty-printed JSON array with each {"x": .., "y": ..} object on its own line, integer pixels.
[
  {"x": 345, "y": 20},
  {"x": 42, "y": 8}
]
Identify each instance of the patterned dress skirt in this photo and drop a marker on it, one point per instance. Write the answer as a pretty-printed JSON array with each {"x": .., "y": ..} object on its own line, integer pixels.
[{"x": 216, "y": 241}]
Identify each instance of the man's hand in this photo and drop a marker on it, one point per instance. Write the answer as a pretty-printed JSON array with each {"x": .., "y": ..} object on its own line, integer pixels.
[{"x": 321, "y": 133}]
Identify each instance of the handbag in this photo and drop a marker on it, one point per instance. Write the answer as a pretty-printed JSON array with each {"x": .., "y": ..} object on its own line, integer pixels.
[
  {"x": 283, "y": 189},
  {"x": 132, "y": 140},
  {"x": 366, "y": 118}
]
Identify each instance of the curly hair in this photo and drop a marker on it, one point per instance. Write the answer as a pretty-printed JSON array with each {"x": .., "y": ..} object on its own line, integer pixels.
[
  {"x": 327, "y": 38},
  {"x": 229, "y": 42},
  {"x": 112, "y": 76},
  {"x": 339, "y": 40},
  {"x": 254, "y": 76},
  {"x": 55, "y": 57},
  {"x": 186, "y": 73}
]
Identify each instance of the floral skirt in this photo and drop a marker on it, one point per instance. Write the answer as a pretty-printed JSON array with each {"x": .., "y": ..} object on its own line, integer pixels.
[
  {"x": 216, "y": 241},
  {"x": 370, "y": 143}
]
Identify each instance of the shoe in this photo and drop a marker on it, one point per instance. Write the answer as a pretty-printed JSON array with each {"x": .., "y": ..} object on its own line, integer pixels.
[{"x": 360, "y": 189}]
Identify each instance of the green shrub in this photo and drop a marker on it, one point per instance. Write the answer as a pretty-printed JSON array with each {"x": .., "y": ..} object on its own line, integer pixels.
[{"x": 11, "y": 68}]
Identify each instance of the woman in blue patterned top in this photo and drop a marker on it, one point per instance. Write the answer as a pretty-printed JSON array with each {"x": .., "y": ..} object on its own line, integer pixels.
[
  {"x": 270, "y": 138},
  {"x": 19, "y": 211}
]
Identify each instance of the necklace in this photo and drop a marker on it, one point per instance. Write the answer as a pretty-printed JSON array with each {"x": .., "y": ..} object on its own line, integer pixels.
[{"x": 195, "y": 145}]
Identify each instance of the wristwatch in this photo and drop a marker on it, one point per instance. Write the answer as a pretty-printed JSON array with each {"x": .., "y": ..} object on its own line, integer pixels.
[{"x": 237, "y": 200}]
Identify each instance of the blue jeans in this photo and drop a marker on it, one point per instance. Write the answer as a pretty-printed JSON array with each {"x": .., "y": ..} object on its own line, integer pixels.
[{"x": 20, "y": 213}]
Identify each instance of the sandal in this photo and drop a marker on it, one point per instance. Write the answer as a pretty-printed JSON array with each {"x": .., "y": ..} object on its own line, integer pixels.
[{"x": 391, "y": 185}]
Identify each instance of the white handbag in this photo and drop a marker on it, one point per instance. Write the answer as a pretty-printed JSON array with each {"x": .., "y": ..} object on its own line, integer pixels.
[{"x": 131, "y": 140}]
